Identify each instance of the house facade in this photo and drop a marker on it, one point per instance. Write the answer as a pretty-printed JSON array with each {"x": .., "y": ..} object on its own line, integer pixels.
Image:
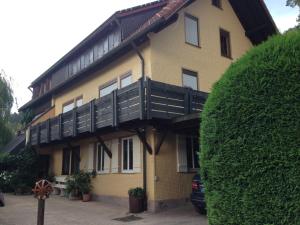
[{"x": 126, "y": 101}]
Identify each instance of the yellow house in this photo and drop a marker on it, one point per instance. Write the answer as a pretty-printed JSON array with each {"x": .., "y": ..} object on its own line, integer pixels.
[{"x": 126, "y": 101}]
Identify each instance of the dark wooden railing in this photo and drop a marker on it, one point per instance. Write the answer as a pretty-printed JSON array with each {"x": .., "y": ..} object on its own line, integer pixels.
[{"x": 142, "y": 100}]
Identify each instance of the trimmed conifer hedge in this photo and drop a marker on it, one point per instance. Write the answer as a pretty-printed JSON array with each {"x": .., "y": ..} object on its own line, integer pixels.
[{"x": 250, "y": 138}]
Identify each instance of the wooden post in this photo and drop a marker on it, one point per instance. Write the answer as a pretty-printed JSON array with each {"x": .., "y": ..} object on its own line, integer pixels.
[{"x": 41, "y": 212}]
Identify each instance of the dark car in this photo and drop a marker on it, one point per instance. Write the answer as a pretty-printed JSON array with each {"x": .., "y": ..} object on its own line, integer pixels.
[{"x": 197, "y": 196}]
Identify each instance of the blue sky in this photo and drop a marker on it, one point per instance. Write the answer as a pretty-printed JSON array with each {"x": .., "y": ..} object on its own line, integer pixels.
[
  {"x": 285, "y": 17},
  {"x": 35, "y": 33}
]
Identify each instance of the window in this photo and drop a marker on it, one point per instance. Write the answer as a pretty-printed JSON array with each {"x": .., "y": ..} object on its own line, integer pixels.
[
  {"x": 100, "y": 158},
  {"x": 79, "y": 101},
  {"x": 192, "y": 149},
  {"x": 225, "y": 43},
  {"x": 191, "y": 30},
  {"x": 66, "y": 162},
  {"x": 68, "y": 106},
  {"x": 217, "y": 3},
  {"x": 126, "y": 80},
  {"x": 107, "y": 89},
  {"x": 127, "y": 154},
  {"x": 71, "y": 161},
  {"x": 189, "y": 79},
  {"x": 71, "y": 104}
]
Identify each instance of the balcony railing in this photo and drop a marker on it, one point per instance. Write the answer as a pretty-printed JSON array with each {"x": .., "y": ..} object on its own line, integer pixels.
[{"x": 142, "y": 100}]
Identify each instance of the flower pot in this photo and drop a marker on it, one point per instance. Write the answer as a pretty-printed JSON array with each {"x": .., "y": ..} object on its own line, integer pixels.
[
  {"x": 73, "y": 197},
  {"x": 136, "y": 205},
  {"x": 86, "y": 197}
]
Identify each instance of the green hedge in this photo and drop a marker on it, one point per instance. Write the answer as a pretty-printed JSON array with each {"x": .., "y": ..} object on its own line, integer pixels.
[{"x": 250, "y": 138}]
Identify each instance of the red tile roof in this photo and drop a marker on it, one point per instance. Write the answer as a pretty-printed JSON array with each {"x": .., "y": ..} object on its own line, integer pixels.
[{"x": 169, "y": 9}]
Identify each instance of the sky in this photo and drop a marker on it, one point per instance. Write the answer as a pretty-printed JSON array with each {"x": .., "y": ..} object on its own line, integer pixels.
[{"x": 34, "y": 34}]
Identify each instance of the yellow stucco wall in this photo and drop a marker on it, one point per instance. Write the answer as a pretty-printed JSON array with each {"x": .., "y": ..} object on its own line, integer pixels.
[
  {"x": 109, "y": 184},
  {"x": 170, "y": 53},
  {"x": 89, "y": 88},
  {"x": 170, "y": 184},
  {"x": 49, "y": 114}
]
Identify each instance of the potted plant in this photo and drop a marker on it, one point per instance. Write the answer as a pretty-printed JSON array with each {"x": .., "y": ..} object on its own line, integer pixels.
[
  {"x": 72, "y": 188},
  {"x": 83, "y": 180},
  {"x": 86, "y": 192},
  {"x": 136, "y": 200}
]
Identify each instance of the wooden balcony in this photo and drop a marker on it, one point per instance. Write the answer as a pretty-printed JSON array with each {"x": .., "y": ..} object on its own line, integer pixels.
[{"x": 140, "y": 101}]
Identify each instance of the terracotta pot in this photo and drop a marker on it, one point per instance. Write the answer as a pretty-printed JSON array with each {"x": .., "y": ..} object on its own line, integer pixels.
[
  {"x": 136, "y": 205},
  {"x": 86, "y": 197}
]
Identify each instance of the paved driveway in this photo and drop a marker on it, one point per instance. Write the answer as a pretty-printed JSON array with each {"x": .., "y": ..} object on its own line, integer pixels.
[{"x": 21, "y": 210}]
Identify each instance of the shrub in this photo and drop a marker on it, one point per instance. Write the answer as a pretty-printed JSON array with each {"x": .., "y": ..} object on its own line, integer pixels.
[
  {"x": 79, "y": 183},
  {"x": 19, "y": 172},
  {"x": 250, "y": 138},
  {"x": 137, "y": 192}
]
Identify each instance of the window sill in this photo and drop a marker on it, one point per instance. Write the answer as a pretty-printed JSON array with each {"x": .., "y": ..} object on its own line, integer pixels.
[
  {"x": 228, "y": 57},
  {"x": 190, "y": 44},
  {"x": 102, "y": 173},
  {"x": 129, "y": 172}
]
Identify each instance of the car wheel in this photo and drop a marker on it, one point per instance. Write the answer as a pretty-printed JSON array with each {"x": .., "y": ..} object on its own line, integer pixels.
[{"x": 200, "y": 210}]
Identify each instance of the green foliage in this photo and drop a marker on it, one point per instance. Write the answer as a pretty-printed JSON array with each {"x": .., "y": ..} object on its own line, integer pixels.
[
  {"x": 137, "y": 192},
  {"x": 26, "y": 117},
  {"x": 79, "y": 183},
  {"x": 18, "y": 172},
  {"x": 6, "y": 102},
  {"x": 250, "y": 145},
  {"x": 294, "y": 3}
]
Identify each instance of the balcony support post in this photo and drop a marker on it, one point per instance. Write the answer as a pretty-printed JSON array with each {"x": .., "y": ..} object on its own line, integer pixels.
[
  {"x": 142, "y": 136},
  {"x": 105, "y": 148}
]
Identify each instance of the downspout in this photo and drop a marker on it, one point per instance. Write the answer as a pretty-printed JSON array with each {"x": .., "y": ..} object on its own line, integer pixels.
[{"x": 144, "y": 79}]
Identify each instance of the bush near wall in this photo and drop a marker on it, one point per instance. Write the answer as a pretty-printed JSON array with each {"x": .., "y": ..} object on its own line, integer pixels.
[
  {"x": 19, "y": 172},
  {"x": 250, "y": 138}
]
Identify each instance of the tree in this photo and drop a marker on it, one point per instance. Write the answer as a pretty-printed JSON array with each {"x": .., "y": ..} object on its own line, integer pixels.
[
  {"x": 6, "y": 103},
  {"x": 250, "y": 145},
  {"x": 294, "y": 3}
]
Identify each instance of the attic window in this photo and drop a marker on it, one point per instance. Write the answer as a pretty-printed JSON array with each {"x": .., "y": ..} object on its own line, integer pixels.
[
  {"x": 225, "y": 43},
  {"x": 191, "y": 30},
  {"x": 217, "y": 3}
]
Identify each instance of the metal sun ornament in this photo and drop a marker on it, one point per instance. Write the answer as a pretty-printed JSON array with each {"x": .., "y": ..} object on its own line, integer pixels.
[{"x": 42, "y": 189}]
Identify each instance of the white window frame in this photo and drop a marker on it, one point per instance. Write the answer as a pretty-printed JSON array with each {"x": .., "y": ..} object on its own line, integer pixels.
[
  {"x": 109, "y": 84},
  {"x": 122, "y": 153},
  {"x": 193, "y": 151},
  {"x": 124, "y": 77},
  {"x": 73, "y": 102},
  {"x": 102, "y": 166},
  {"x": 190, "y": 73},
  {"x": 196, "y": 20}
]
